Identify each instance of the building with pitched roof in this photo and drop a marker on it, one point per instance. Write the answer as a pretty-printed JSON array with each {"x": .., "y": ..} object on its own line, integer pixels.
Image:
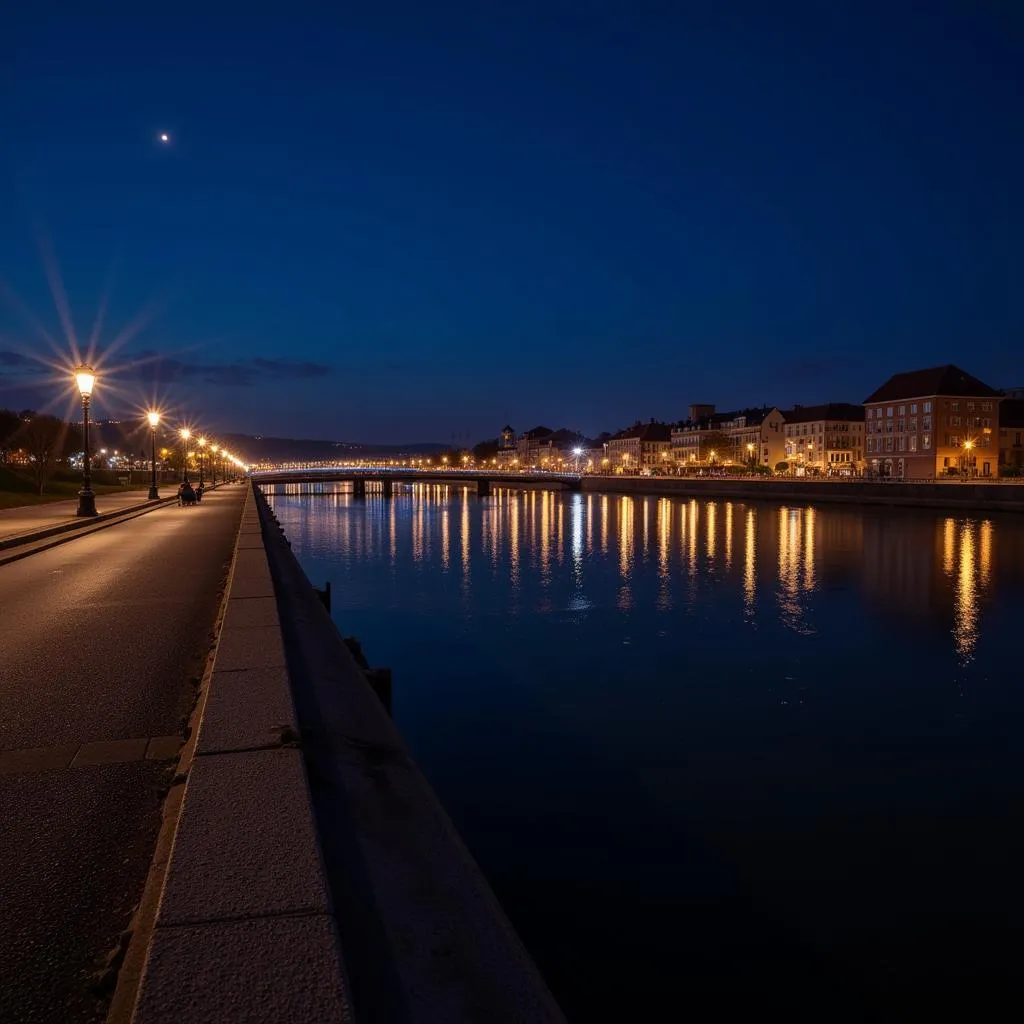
[
  {"x": 1011, "y": 433},
  {"x": 933, "y": 423},
  {"x": 825, "y": 439},
  {"x": 639, "y": 447},
  {"x": 717, "y": 438}
]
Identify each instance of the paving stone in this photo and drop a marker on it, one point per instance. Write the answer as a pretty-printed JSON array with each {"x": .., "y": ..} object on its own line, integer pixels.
[
  {"x": 258, "y": 647},
  {"x": 110, "y": 752},
  {"x": 245, "y": 589},
  {"x": 163, "y": 748},
  {"x": 36, "y": 759},
  {"x": 246, "y": 845},
  {"x": 251, "y": 564},
  {"x": 249, "y": 612},
  {"x": 246, "y": 710},
  {"x": 271, "y": 969}
]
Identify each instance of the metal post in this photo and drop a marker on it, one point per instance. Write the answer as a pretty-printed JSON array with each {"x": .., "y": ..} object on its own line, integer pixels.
[
  {"x": 86, "y": 499},
  {"x": 153, "y": 492}
]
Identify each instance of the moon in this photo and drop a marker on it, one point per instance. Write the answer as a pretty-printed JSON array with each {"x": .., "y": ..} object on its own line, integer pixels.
[{"x": 164, "y": 137}]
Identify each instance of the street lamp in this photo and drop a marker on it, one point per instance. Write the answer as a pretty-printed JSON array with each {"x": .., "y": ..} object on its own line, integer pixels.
[
  {"x": 185, "y": 435},
  {"x": 968, "y": 446},
  {"x": 85, "y": 377},
  {"x": 750, "y": 454},
  {"x": 213, "y": 463},
  {"x": 576, "y": 453},
  {"x": 202, "y": 445},
  {"x": 154, "y": 422}
]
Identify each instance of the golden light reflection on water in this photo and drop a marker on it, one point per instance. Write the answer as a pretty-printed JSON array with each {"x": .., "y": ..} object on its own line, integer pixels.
[
  {"x": 728, "y": 535},
  {"x": 664, "y": 551},
  {"x": 750, "y": 562},
  {"x": 967, "y": 560},
  {"x": 918, "y": 568},
  {"x": 627, "y": 542}
]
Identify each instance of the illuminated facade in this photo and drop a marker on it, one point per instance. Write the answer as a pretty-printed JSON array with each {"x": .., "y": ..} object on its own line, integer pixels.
[
  {"x": 825, "y": 439},
  {"x": 641, "y": 446},
  {"x": 738, "y": 438},
  {"x": 930, "y": 424}
]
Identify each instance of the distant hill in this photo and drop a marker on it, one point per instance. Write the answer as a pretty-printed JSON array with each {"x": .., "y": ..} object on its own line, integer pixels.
[{"x": 130, "y": 435}]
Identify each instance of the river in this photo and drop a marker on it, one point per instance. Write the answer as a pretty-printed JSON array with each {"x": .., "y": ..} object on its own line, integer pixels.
[{"x": 735, "y": 755}]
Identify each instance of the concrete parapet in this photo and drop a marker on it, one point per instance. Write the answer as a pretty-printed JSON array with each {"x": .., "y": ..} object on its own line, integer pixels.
[{"x": 423, "y": 936}]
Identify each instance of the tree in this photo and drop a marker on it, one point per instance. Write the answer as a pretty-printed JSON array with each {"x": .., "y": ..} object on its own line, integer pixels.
[
  {"x": 781, "y": 467},
  {"x": 46, "y": 439},
  {"x": 485, "y": 450},
  {"x": 9, "y": 424}
]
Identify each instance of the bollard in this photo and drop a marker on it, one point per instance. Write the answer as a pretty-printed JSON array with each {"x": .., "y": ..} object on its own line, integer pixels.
[
  {"x": 380, "y": 680},
  {"x": 324, "y": 595}
]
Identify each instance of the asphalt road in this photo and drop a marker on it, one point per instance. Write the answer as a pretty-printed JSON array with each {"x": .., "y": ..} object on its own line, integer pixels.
[{"x": 102, "y": 639}]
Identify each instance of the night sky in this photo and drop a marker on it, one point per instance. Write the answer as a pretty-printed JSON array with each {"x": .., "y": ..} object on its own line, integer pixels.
[{"x": 418, "y": 220}]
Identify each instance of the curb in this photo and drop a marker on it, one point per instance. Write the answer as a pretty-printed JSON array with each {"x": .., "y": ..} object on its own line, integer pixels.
[{"x": 245, "y": 927}]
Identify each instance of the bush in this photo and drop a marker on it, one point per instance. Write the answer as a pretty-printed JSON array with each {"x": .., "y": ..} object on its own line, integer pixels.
[{"x": 781, "y": 467}]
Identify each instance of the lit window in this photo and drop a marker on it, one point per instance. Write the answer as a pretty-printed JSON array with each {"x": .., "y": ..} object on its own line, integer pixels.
[{"x": 926, "y": 442}]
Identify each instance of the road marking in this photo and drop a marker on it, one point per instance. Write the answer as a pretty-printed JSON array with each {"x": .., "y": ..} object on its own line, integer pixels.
[{"x": 83, "y": 755}]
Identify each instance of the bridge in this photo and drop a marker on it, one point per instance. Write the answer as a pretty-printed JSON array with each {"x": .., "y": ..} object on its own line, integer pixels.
[{"x": 384, "y": 478}]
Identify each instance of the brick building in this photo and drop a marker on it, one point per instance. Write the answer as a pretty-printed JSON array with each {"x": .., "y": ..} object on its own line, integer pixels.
[{"x": 934, "y": 423}]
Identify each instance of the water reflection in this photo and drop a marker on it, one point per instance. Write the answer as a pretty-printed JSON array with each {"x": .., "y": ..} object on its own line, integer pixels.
[
  {"x": 586, "y": 692},
  {"x": 919, "y": 568}
]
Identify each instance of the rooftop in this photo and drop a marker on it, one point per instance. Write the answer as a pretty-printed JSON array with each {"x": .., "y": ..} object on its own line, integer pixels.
[
  {"x": 938, "y": 380},
  {"x": 829, "y": 411}
]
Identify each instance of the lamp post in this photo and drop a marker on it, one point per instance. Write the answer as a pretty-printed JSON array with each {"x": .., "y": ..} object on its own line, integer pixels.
[
  {"x": 213, "y": 463},
  {"x": 750, "y": 453},
  {"x": 185, "y": 435},
  {"x": 85, "y": 377},
  {"x": 202, "y": 445},
  {"x": 154, "y": 421}
]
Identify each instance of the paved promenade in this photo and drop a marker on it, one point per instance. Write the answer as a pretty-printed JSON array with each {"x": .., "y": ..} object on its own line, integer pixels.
[
  {"x": 102, "y": 639},
  {"x": 14, "y": 522}
]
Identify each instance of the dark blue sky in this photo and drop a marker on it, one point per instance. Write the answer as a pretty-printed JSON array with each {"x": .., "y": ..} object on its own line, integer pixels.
[{"x": 419, "y": 219}]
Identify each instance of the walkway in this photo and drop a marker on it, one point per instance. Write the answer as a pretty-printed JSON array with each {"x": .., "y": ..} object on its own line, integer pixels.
[
  {"x": 103, "y": 639},
  {"x": 16, "y": 521}
]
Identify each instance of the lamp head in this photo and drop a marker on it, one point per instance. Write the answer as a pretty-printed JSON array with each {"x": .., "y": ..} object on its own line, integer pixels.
[
  {"x": 185, "y": 433},
  {"x": 85, "y": 378},
  {"x": 154, "y": 419}
]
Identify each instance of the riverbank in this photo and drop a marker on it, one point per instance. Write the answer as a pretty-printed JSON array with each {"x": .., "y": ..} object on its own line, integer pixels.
[{"x": 970, "y": 497}]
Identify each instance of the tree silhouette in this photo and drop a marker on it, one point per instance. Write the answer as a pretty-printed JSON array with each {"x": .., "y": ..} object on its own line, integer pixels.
[{"x": 46, "y": 439}]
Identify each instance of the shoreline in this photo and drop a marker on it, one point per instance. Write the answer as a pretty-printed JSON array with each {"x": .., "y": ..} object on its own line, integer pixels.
[{"x": 969, "y": 497}]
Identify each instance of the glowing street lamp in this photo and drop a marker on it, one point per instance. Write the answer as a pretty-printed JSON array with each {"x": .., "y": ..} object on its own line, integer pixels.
[
  {"x": 577, "y": 452},
  {"x": 185, "y": 435},
  {"x": 750, "y": 453},
  {"x": 85, "y": 378},
  {"x": 154, "y": 422}
]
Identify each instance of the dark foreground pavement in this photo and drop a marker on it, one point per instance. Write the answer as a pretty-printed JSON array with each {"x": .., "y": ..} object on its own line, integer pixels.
[{"x": 103, "y": 640}]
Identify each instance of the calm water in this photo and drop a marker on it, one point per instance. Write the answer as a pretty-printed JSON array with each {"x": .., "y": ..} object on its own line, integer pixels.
[{"x": 748, "y": 754}]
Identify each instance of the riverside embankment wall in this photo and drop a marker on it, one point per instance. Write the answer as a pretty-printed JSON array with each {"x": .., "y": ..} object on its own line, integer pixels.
[{"x": 968, "y": 497}]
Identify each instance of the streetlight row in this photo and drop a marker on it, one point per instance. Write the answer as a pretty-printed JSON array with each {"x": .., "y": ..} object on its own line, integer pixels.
[{"x": 85, "y": 378}]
